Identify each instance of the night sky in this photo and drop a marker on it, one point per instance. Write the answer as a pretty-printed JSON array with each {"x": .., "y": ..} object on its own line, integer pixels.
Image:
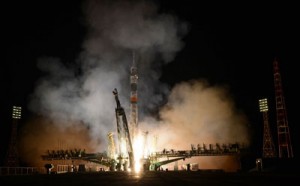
[{"x": 228, "y": 45}]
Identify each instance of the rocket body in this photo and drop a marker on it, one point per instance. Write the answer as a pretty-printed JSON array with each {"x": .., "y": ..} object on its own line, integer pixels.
[{"x": 133, "y": 99}]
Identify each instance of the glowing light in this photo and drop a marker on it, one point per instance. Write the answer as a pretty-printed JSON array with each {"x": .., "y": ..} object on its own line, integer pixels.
[
  {"x": 123, "y": 147},
  {"x": 16, "y": 112},
  {"x": 137, "y": 176},
  {"x": 138, "y": 152},
  {"x": 263, "y": 105},
  {"x": 123, "y": 154}
]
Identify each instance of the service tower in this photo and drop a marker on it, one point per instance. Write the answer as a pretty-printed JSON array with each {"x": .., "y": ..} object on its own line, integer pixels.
[
  {"x": 133, "y": 98},
  {"x": 284, "y": 140}
]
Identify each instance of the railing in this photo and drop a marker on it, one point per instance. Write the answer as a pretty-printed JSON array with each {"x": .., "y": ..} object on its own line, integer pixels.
[
  {"x": 63, "y": 169},
  {"x": 190, "y": 153},
  {"x": 21, "y": 170}
]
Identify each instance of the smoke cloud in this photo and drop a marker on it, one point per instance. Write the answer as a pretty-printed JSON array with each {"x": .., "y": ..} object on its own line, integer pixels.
[
  {"x": 198, "y": 113},
  {"x": 79, "y": 97},
  {"x": 81, "y": 92},
  {"x": 41, "y": 134}
]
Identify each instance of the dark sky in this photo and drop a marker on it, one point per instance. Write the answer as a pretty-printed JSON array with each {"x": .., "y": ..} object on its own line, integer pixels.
[{"x": 231, "y": 45}]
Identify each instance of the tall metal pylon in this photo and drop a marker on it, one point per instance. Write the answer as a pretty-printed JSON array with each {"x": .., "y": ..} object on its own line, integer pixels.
[
  {"x": 12, "y": 157},
  {"x": 269, "y": 150},
  {"x": 285, "y": 149}
]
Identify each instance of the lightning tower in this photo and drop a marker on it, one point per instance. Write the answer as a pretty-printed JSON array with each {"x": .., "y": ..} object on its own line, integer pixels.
[
  {"x": 133, "y": 98},
  {"x": 283, "y": 132},
  {"x": 12, "y": 158},
  {"x": 268, "y": 144}
]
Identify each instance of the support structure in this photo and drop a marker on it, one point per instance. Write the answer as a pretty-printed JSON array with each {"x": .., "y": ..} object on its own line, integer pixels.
[
  {"x": 111, "y": 146},
  {"x": 285, "y": 149},
  {"x": 125, "y": 145},
  {"x": 12, "y": 158},
  {"x": 268, "y": 144}
]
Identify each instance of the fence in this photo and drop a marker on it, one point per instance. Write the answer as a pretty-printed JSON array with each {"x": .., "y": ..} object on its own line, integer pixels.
[{"x": 21, "y": 170}]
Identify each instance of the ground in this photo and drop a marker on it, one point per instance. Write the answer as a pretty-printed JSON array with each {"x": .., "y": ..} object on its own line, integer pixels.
[{"x": 156, "y": 178}]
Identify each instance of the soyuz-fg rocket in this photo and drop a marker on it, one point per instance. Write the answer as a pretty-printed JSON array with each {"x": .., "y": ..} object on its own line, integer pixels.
[{"x": 133, "y": 98}]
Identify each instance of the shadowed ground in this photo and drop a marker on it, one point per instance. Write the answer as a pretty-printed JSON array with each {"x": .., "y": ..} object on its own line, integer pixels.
[{"x": 155, "y": 178}]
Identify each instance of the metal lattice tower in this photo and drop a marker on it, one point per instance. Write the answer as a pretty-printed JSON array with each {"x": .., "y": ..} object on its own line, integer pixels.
[
  {"x": 12, "y": 158},
  {"x": 284, "y": 140},
  {"x": 268, "y": 144}
]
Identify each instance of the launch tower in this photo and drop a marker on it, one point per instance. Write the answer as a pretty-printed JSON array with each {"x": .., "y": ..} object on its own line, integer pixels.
[
  {"x": 284, "y": 140},
  {"x": 123, "y": 136}
]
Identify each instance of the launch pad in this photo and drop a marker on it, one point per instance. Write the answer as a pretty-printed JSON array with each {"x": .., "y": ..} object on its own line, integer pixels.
[
  {"x": 151, "y": 163},
  {"x": 129, "y": 154}
]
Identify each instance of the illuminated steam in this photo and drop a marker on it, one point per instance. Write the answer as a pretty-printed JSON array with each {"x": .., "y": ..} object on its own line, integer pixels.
[
  {"x": 81, "y": 92},
  {"x": 197, "y": 113},
  {"x": 78, "y": 96},
  {"x": 41, "y": 134}
]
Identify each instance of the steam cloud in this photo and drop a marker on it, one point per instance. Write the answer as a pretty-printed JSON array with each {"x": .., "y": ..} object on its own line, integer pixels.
[
  {"x": 79, "y": 97},
  {"x": 198, "y": 113},
  {"x": 83, "y": 92}
]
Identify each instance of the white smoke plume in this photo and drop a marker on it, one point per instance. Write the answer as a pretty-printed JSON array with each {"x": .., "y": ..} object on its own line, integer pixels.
[
  {"x": 197, "y": 113},
  {"x": 82, "y": 92}
]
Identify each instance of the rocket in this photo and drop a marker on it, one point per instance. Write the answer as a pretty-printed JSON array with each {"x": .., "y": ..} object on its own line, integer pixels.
[{"x": 133, "y": 98}]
